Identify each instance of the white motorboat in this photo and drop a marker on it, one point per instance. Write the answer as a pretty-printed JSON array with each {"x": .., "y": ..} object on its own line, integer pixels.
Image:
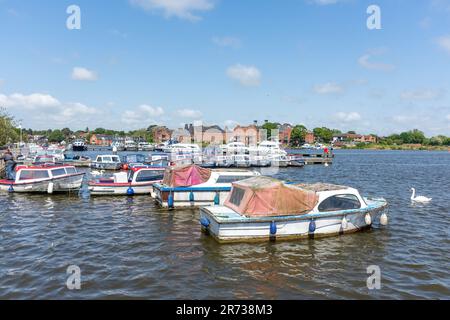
[
  {"x": 263, "y": 208},
  {"x": 138, "y": 180},
  {"x": 145, "y": 146},
  {"x": 234, "y": 148},
  {"x": 44, "y": 179},
  {"x": 79, "y": 145},
  {"x": 107, "y": 162},
  {"x": 130, "y": 145},
  {"x": 267, "y": 148},
  {"x": 188, "y": 186}
]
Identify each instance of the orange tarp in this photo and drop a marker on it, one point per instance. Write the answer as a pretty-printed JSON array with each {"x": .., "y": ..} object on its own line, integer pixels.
[
  {"x": 185, "y": 176},
  {"x": 264, "y": 196}
]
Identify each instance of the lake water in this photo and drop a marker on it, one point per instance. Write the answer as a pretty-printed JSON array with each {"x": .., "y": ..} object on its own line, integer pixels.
[{"x": 129, "y": 248}]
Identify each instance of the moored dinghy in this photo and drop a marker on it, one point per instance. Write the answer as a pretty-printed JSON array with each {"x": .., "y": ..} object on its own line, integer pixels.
[
  {"x": 264, "y": 208},
  {"x": 44, "y": 179},
  {"x": 187, "y": 186},
  {"x": 138, "y": 180}
]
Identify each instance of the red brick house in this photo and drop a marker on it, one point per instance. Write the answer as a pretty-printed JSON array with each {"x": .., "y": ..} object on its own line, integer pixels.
[{"x": 161, "y": 134}]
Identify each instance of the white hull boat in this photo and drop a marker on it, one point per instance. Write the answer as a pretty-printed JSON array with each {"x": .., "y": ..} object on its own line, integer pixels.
[
  {"x": 44, "y": 179},
  {"x": 192, "y": 186},
  {"x": 336, "y": 210},
  {"x": 137, "y": 181}
]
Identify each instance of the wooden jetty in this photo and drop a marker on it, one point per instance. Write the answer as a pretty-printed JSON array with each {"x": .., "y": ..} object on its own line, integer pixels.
[{"x": 310, "y": 156}]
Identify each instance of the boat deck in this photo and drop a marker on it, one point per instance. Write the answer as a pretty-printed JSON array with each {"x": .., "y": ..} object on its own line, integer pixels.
[{"x": 223, "y": 214}]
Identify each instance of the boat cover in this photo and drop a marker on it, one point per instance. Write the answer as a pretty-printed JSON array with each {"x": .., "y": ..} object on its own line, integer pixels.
[
  {"x": 186, "y": 176},
  {"x": 263, "y": 196}
]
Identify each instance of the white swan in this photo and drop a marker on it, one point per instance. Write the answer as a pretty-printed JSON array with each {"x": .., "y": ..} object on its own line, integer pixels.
[
  {"x": 418, "y": 198},
  {"x": 97, "y": 173}
]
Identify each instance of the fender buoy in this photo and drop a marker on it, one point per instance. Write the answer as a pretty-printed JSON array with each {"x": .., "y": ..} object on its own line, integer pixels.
[
  {"x": 191, "y": 197},
  {"x": 384, "y": 219},
  {"x": 273, "y": 228},
  {"x": 368, "y": 219},
  {"x": 312, "y": 226},
  {"x": 130, "y": 191},
  {"x": 217, "y": 199},
  {"x": 205, "y": 222},
  {"x": 344, "y": 223},
  {"x": 11, "y": 189},
  {"x": 170, "y": 201},
  {"x": 50, "y": 188}
]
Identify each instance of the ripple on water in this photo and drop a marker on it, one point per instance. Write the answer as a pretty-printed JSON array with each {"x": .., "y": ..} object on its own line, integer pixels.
[{"x": 129, "y": 248}]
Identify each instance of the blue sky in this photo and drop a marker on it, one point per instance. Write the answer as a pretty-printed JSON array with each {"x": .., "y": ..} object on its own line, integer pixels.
[{"x": 141, "y": 62}]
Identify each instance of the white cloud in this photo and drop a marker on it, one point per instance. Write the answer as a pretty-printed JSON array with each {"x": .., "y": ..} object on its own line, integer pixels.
[
  {"x": 364, "y": 61},
  {"x": 189, "y": 113},
  {"x": 151, "y": 111},
  {"x": 183, "y": 9},
  {"x": 31, "y": 101},
  {"x": 328, "y": 88},
  {"x": 248, "y": 76},
  {"x": 422, "y": 94},
  {"x": 143, "y": 115},
  {"x": 227, "y": 42},
  {"x": 444, "y": 43},
  {"x": 46, "y": 108},
  {"x": 83, "y": 74},
  {"x": 348, "y": 117}
]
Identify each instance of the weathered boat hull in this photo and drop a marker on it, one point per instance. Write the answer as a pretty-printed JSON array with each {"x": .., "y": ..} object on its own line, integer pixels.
[
  {"x": 56, "y": 185},
  {"x": 106, "y": 166},
  {"x": 190, "y": 196},
  {"x": 289, "y": 227},
  {"x": 120, "y": 190}
]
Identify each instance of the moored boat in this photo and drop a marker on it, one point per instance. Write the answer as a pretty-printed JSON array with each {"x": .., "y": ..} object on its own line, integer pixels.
[
  {"x": 263, "y": 208},
  {"x": 44, "y": 179},
  {"x": 107, "y": 162},
  {"x": 138, "y": 180},
  {"x": 188, "y": 186},
  {"x": 79, "y": 145}
]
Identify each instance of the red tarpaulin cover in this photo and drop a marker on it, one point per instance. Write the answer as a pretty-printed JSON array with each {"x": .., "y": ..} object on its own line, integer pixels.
[
  {"x": 264, "y": 196},
  {"x": 186, "y": 176}
]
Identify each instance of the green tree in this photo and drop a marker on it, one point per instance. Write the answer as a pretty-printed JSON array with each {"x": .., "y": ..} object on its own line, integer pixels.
[
  {"x": 56, "y": 136},
  {"x": 99, "y": 131},
  {"x": 269, "y": 126},
  {"x": 8, "y": 132},
  {"x": 413, "y": 136},
  {"x": 323, "y": 134},
  {"x": 66, "y": 132},
  {"x": 298, "y": 135}
]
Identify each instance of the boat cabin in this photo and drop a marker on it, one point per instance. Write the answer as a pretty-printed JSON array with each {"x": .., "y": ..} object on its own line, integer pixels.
[{"x": 107, "y": 159}]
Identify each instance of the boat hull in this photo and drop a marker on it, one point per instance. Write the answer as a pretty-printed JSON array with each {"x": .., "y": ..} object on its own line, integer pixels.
[
  {"x": 106, "y": 166},
  {"x": 119, "y": 190},
  {"x": 190, "y": 196},
  {"x": 79, "y": 148},
  {"x": 70, "y": 183},
  {"x": 288, "y": 228}
]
